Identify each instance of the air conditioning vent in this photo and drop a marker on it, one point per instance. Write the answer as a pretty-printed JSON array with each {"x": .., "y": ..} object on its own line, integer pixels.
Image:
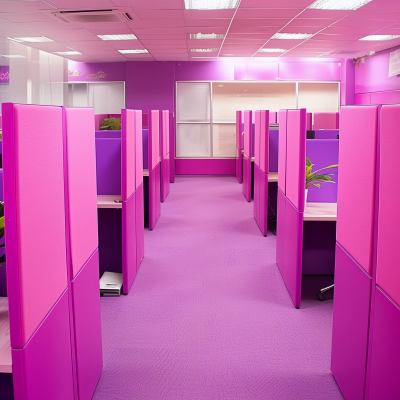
[{"x": 92, "y": 16}]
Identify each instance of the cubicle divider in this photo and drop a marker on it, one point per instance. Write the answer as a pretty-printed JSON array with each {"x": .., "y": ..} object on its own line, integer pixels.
[
  {"x": 120, "y": 198},
  {"x": 309, "y": 125},
  {"x": 326, "y": 121},
  {"x": 247, "y": 155},
  {"x": 295, "y": 253},
  {"x": 273, "y": 117},
  {"x": 154, "y": 168},
  {"x": 165, "y": 155},
  {"x": 239, "y": 156},
  {"x": 53, "y": 293},
  {"x": 261, "y": 169},
  {"x": 82, "y": 247}
]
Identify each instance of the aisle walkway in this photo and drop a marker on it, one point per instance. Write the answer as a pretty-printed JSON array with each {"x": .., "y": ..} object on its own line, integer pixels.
[{"x": 208, "y": 316}]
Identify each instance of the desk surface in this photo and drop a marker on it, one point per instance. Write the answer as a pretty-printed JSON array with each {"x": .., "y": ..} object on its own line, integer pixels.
[
  {"x": 108, "y": 201},
  {"x": 145, "y": 172},
  {"x": 272, "y": 177},
  {"x": 320, "y": 212},
  {"x": 5, "y": 347}
]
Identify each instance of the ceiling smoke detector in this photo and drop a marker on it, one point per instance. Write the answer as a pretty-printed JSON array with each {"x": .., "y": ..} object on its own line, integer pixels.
[{"x": 92, "y": 16}]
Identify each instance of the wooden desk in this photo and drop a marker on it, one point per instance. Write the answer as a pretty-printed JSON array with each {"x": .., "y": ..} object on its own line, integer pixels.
[
  {"x": 320, "y": 212},
  {"x": 272, "y": 177},
  {"x": 5, "y": 346},
  {"x": 108, "y": 201}
]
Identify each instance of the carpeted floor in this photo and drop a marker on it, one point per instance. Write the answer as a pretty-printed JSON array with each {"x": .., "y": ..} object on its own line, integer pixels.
[{"x": 208, "y": 316}]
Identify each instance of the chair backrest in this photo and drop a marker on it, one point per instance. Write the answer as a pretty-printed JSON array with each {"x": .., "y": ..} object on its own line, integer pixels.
[{"x": 356, "y": 190}]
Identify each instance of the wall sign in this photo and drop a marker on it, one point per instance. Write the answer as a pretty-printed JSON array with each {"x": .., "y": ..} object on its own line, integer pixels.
[
  {"x": 4, "y": 74},
  {"x": 394, "y": 63}
]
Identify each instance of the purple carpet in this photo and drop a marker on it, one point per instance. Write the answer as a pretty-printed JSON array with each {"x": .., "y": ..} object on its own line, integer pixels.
[{"x": 208, "y": 315}]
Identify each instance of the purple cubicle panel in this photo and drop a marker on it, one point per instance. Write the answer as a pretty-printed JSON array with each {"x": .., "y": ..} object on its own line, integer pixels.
[
  {"x": 145, "y": 148},
  {"x": 39, "y": 319},
  {"x": 239, "y": 157},
  {"x": 282, "y": 150},
  {"x": 326, "y": 121},
  {"x": 154, "y": 168},
  {"x": 128, "y": 162},
  {"x": 273, "y": 150},
  {"x": 296, "y": 158},
  {"x": 357, "y": 149},
  {"x": 248, "y": 145},
  {"x": 165, "y": 157},
  {"x": 326, "y": 134},
  {"x": 82, "y": 244},
  {"x": 323, "y": 153}
]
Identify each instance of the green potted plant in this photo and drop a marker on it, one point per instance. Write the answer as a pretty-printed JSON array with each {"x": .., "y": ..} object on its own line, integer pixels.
[
  {"x": 313, "y": 178},
  {"x": 111, "y": 124}
]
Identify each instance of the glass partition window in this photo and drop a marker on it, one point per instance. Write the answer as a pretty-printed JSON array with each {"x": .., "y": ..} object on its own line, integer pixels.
[
  {"x": 193, "y": 102},
  {"x": 193, "y": 140},
  {"x": 224, "y": 140}
]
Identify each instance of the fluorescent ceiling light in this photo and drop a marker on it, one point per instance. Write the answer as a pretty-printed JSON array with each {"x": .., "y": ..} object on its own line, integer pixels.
[
  {"x": 117, "y": 37},
  {"x": 140, "y": 51},
  {"x": 204, "y": 50},
  {"x": 13, "y": 56},
  {"x": 338, "y": 4},
  {"x": 37, "y": 39},
  {"x": 210, "y": 4},
  {"x": 292, "y": 36},
  {"x": 206, "y": 36},
  {"x": 379, "y": 37},
  {"x": 67, "y": 53},
  {"x": 271, "y": 51}
]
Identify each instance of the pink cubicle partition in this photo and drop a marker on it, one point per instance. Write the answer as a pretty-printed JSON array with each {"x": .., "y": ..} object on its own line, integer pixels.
[
  {"x": 384, "y": 349},
  {"x": 82, "y": 246},
  {"x": 355, "y": 247},
  {"x": 326, "y": 121},
  {"x": 37, "y": 281},
  {"x": 261, "y": 168},
  {"x": 154, "y": 168},
  {"x": 165, "y": 155},
  {"x": 272, "y": 117},
  {"x": 247, "y": 155},
  {"x": 309, "y": 122},
  {"x": 282, "y": 151},
  {"x": 239, "y": 157}
]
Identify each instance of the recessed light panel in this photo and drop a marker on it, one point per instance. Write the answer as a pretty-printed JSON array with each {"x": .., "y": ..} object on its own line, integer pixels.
[
  {"x": 271, "y": 51},
  {"x": 140, "y": 51},
  {"x": 36, "y": 39},
  {"x": 67, "y": 53},
  {"x": 204, "y": 50},
  {"x": 338, "y": 4},
  {"x": 117, "y": 37},
  {"x": 206, "y": 36},
  {"x": 210, "y": 4},
  {"x": 292, "y": 36},
  {"x": 379, "y": 37},
  {"x": 13, "y": 56}
]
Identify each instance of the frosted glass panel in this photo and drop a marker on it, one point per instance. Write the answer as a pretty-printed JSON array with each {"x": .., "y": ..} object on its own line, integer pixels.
[
  {"x": 193, "y": 102},
  {"x": 193, "y": 140},
  {"x": 319, "y": 97},
  {"x": 78, "y": 95},
  {"x": 232, "y": 96},
  {"x": 224, "y": 140},
  {"x": 107, "y": 97}
]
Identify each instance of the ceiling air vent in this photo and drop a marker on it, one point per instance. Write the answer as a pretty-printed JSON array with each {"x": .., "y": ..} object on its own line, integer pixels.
[{"x": 92, "y": 16}]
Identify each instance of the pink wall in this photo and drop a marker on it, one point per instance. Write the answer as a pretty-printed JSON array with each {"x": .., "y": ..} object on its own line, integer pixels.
[
  {"x": 96, "y": 72},
  {"x": 372, "y": 82}
]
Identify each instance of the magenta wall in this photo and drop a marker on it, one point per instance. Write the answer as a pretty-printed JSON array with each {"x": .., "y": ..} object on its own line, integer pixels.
[
  {"x": 96, "y": 72},
  {"x": 372, "y": 82}
]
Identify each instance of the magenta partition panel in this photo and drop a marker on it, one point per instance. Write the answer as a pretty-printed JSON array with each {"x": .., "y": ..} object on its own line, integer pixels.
[
  {"x": 264, "y": 141},
  {"x": 272, "y": 117},
  {"x": 248, "y": 145},
  {"x": 326, "y": 121},
  {"x": 357, "y": 147},
  {"x": 282, "y": 150},
  {"x": 165, "y": 155},
  {"x": 296, "y": 158},
  {"x": 154, "y": 168},
  {"x": 138, "y": 148},
  {"x": 257, "y": 137},
  {"x": 82, "y": 244},
  {"x": 309, "y": 122},
  {"x": 39, "y": 319},
  {"x": 128, "y": 162},
  {"x": 239, "y": 157}
]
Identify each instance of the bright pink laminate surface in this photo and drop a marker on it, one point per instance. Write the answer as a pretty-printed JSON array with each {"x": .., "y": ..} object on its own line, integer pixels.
[
  {"x": 326, "y": 121},
  {"x": 257, "y": 137},
  {"x": 139, "y": 218},
  {"x": 264, "y": 141},
  {"x": 357, "y": 157},
  {"x": 164, "y": 134},
  {"x": 81, "y": 186},
  {"x": 388, "y": 270},
  {"x": 129, "y": 259},
  {"x": 36, "y": 238},
  {"x": 211, "y": 166},
  {"x": 350, "y": 325},
  {"x": 296, "y": 158},
  {"x": 154, "y": 138},
  {"x": 282, "y": 150},
  {"x": 128, "y": 161},
  {"x": 248, "y": 142},
  {"x": 281, "y": 234},
  {"x": 363, "y": 99},
  {"x": 138, "y": 148}
]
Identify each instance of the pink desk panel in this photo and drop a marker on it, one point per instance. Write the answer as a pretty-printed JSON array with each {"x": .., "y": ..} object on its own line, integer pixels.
[
  {"x": 282, "y": 151},
  {"x": 264, "y": 141},
  {"x": 257, "y": 137},
  {"x": 128, "y": 153},
  {"x": 138, "y": 148},
  {"x": 239, "y": 162},
  {"x": 326, "y": 121},
  {"x": 350, "y": 325},
  {"x": 248, "y": 145},
  {"x": 357, "y": 147},
  {"x": 154, "y": 138},
  {"x": 139, "y": 218},
  {"x": 281, "y": 234}
]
